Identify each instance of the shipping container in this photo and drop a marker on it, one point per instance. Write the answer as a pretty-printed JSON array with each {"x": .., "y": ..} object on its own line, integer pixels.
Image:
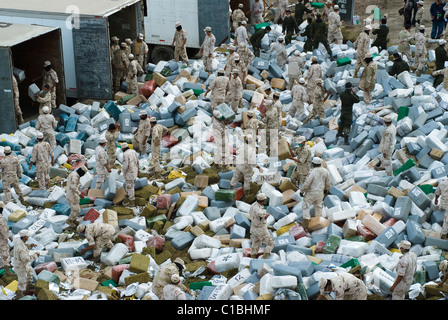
[
  {"x": 21, "y": 47},
  {"x": 86, "y": 27}
]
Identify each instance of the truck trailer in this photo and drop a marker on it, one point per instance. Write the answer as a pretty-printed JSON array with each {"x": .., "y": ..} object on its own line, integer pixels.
[
  {"x": 160, "y": 17},
  {"x": 21, "y": 50},
  {"x": 86, "y": 27}
]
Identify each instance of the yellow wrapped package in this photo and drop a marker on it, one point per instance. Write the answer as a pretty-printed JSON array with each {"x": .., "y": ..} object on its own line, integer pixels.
[{"x": 176, "y": 174}]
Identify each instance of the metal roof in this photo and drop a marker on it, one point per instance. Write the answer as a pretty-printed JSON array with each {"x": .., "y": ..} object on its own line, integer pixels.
[
  {"x": 85, "y": 7},
  {"x": 12, "y": 34}
]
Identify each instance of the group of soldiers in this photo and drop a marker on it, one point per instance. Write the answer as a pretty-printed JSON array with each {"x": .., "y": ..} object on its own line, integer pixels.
[{"x": 310, "y": 174}]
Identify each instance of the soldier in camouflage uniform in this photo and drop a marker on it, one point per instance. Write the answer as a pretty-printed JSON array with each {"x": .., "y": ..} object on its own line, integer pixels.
[
  {"x": 50, "y": 78},
  {"x": 164, "y": 274},
  {"x": 172, "y": 291},
  {"x": 18, "y": 110},
  {"x": 120, "y": 63},
  {"x": 218, "y": 87},
  {"x": 207, "y": 49},
  {"x": 442, "y": 195},
  {"x": 73, "y": 194},
  {"x": 134, "y": 71},
  {"x": 221, "y": 154},
  {"x": 102, "y": 166},
  {"x": 258, "y": 228},
  {"x": 303, "y": 162},
  {"x": 98, "y": 235},
  {"x": 142, "y": 133},
  {"x": 405, "y": 269},
  {"x": 46, "y": 123},
  {"x": 179, "y": 44},
  {"x": 42, "y": 155},
  {"x": 22, "y": 263},
  {"x": 130, "y": 169},
  {"x": 235, "y": 92},
  {"x": 345, "y": 286},
  {"x": 4, "y": 246},
  {"x": 11, "y": 173},
  {"x": 111, "y": 145},
  {"x": 157, "y": 132}
]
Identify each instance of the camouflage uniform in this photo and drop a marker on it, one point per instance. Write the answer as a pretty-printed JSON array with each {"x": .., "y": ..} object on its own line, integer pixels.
[
  {"x": 41, "y": 157},
  {"x": 334, "y": 28},
  {"x": 387, "y": 147},
  {"x": 272, "y": 126},
  {"x": 173, "y": 292},
  {"x": 299, "y": 97},
  {"x": 208, "y": 47},
  {"x": 140, "y": 56},
  {"x": 11, "y": 173},
  {"x": 238, "y": 16},
  {"x": 420, "y": 52},
  {"x": 179, "y": 50},
  {"x": 302, "y": 167},
  {"x": 258, "y": 230},
  {"x": 347, "y": 287},
  {"x": 130, "y": 168},
  {"x": 318, "y": 105},
  {"x": 100, "y": 235},
  {"x": 235, "y": 93},
  {"x": 72, "y": 196},
  {"x": 317, "y": 181},
  {"x": 15, "y": 89},
  {"x": 120, "y": 61},
  {"x": 133, "y": 71},
  {"x": 46, "y": 123},
  {"x": 163, "y": 278},
  {"x": 221, "y": 153},
  {"x": 295, "y": 66},
  {"x": 50, "y": 78},
  {"x": 244, "y": 167},
  {"x": 362, "y": 45},
  {"x": 44, "y": 100},
  {"x": 4, "y": 246},
  {"x": 22, "y": 264},
  {"x": 406, "y": 268},
  {"x": 144, "y": 130},
  {"x": 157, "y": 133},
  {"x": 313, "y": 74},
  {"x": 442, "y": 192},
  {"x": 218, "y": 87},
  {"x": 368, "y": 80},
  {"x": 111, "y": 147},
  {"x": 101, "y": 170}
]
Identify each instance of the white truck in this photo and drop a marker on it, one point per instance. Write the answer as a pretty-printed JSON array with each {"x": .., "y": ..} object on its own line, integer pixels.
[{"x": 160, "y": 17}]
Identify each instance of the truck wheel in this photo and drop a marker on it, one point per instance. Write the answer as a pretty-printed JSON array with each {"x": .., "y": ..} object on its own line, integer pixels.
[{"x": 162, "y": 53}]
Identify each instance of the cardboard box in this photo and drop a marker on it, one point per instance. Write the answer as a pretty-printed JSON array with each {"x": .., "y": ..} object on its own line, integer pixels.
[{"x": 96, "y": 193}]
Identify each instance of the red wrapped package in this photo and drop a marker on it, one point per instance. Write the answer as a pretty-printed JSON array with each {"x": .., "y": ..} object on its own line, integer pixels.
[
  {"x": 49, "y": 266},
  {"x": 168, "y": 141},
  {"x": 364, "y": 232},
  {"x": 127, "y": 240},
  {"x": 163, "y": 201},
  {"x": 148, "y": 88},
  {"x": 118, "y": 270},
  {"x": 156, "y": 242},
  {"x": 390, "y": 222},
  {"x": 297, "y": 231},
  {"x": 320, "y": 247},
  {"x": 91, "y": 215}
]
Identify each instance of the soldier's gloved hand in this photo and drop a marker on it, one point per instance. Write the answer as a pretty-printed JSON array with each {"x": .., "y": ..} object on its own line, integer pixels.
[{"x": 302, "y": 194}]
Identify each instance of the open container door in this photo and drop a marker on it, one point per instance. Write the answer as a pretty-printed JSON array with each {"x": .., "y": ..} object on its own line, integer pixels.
[
  {"x": 92, "y": 52},
  {"x": 8, "y": 118}
]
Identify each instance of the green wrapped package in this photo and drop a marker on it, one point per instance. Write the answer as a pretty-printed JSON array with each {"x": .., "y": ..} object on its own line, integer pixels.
[
  {"x": 402, "y": 112},
  {"x": 150, "y": 221},
  {"x": 199, "y": 285},
  {"x": 317, "y": 5},
  {"x": 408, "y": 164},
  {"x": 427, "y": 188},
  {"x": 261, "y": 25},
  {"x": 343, "y": 61},
  {"x": 332, "y": 244},
  {"x": 225, "y": 195}
]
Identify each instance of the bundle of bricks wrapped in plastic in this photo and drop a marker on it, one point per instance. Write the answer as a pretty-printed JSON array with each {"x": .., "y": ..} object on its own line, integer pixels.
[{"x": 193, "y": 214}]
